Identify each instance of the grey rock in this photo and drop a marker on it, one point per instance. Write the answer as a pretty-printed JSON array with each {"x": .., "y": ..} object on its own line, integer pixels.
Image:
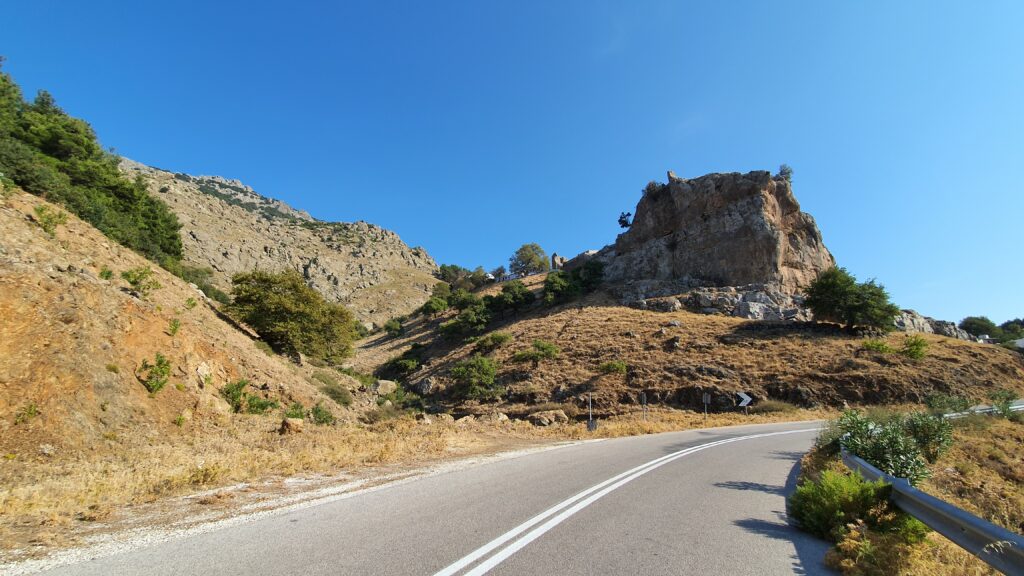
[{"x": 548, "y": 418}]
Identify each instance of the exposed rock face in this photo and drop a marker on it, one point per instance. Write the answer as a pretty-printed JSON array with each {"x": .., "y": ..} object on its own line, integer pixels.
[
  {"x": 230, "y": 228},
  {"x": 719, "y": 230},
  {"x": 910, "y": 321},
  {"x": 753, "y": 302}
]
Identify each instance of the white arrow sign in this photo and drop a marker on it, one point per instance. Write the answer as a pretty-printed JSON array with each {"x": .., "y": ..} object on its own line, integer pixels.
[{"x": 744, "y": 399}]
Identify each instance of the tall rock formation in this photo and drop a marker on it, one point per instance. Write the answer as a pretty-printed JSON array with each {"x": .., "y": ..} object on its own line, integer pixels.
[
  {"x": 229, "y": 228},
  {"x": 719, "y": 230}
]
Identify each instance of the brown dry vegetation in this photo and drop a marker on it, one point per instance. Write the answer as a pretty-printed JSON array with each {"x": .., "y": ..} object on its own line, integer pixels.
[{"x": 674, "y": 357}]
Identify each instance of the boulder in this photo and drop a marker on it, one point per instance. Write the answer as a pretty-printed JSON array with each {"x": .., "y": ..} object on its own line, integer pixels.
[
  {"x": 548, "y": 417},
  {"x": 291, "y": 426},
  {"x": 425, "y": 386},
  {"x": 385, "y": 387},
  {"x": 494, "y": 417}
]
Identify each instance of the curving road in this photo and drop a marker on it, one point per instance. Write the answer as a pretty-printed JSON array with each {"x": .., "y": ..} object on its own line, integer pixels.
[{"x": 696, "y": 502}]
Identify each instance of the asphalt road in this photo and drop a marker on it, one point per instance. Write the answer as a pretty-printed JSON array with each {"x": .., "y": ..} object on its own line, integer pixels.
[{"x": 696, "y": 502}]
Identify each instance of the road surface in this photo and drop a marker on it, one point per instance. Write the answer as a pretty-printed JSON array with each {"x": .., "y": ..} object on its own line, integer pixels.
[{"x": 694, "y": 502}]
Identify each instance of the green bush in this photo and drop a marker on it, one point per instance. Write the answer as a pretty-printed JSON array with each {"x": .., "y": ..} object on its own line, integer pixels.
[
  {"x": 321, "y": 415},
  {"x": 434, "y": 305},
  {"x": 154, "y": 376},
  {"x": 475, "y": 378},
  {"x": 946, "y": 404},
  {"x": 173, "y": 326},
  {"x": 824, "y": 508},
  {"x": 561, "y": 286},
  {"x": 540, "y": 350},
  {"x": 241, "y": 401},
  {"x": 393, "y": 327},
  {"x": 26, "y": 413},
  {"x": 462, "y": 299},
  {"x": 296, "y": 410},
  {"x": 492, "y": 341},
  {"x": 49, "y": 154},
  {"x": 472, "y": 320},
  {"x": 106, "y": 273},
  {"x": 835, "y": 296},
  {"x": 202, "y": 277},
  {"x": 1001, "y": 401},
  {"x": 292, "y": 317},
  {"x": 364, "y": 379},
  {"x": 876, "y": 345},
  {"x": 403, "y": 398},
  {"x": 514, "y": 296},
  {"x": 933, "y": 434},
  {"x": 338, "y": 393},
  {"x": 613, "y": 367},
  {"x": 914, "y": 347},
  {"x": 48, "y": 219},
  {"x": 884, "y": 442},
  {"x": 382, "y": 413},
  {"x": 141, "y": 280}
]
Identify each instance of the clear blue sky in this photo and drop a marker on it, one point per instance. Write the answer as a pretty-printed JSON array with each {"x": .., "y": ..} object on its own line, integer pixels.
[{"x": 473, "y": 127}]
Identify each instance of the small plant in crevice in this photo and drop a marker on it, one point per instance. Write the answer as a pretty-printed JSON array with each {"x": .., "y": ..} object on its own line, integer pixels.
[
  {"x": 106, "y": 273},
  {"x": 190, "y": 303},
  {"x": 914, "y": 347},
  {"x": 173, "y": 326},
  {"x": 321, "y": 415},
  {"x": 243, "y": 402},
  {"x": 154, "y": 376},
  {"x": 540, "y": 350},
  {"x": 26, "y": 413},
  {"x": 613, "y": 367}
]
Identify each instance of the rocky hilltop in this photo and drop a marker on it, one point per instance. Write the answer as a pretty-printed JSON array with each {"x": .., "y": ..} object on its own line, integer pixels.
[
  {"x": 230, "y": 228},
  {"x": 720, "y": 230}
]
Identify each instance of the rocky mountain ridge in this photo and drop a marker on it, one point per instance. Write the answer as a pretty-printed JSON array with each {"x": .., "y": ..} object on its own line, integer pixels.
[{"x": 230, "y": 228}]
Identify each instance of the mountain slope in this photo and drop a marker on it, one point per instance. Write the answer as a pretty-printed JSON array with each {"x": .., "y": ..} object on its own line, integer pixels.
[{"x": 229, "y": 228}]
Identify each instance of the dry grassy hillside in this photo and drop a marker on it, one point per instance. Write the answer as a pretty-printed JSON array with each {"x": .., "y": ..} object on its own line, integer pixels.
[
  {"x": 81, "y": 435},
  {"x": 676, "y": 356}
]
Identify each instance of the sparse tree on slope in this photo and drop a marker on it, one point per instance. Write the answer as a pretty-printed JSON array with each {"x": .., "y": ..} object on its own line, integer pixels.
[
  {"x": 835, "y": 296},
  {"x": 529, "y": 259}
]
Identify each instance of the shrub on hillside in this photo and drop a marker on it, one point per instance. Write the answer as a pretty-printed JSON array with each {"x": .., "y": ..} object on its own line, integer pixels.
[
  {"x": 887, "y": 445},
  {"x": 141, "y": 280},
  {"x": 772, "y": 407},
  {"x": 514, "y": 296},
  {"x": 475, "y": 378},
  {"x": 463, "y": 299},
  {"x": 825, "y": 507},
  {"x": 835, "y": 296},
  {"x": 561, "y": 286},
  {"x": 292, "y": 317},
  {"x": 946, "y": 404},
  {"x": 296, "y": 410},
  {"x": 434, "y": 305},
  {"x": 393, "y": 327},
  {"x": 613, "y": 367},
  {"x": 876, "y": 345},
  {"x": 243, "y": 402},
  {"x": 933, "y": 434},
  {"x": 48, "y": 219},
  {"x": 1002, "y": 399},
  {"x": 492, "y": 341},
  {"x": 472, "y": 320},
  {"x": 154, "y": 376},
  {"x": 202, "y": 277},
  {"x": 321, "y": 415},
  {"x": 540, "y": 350},
  {"x": 914, "y": 347}
]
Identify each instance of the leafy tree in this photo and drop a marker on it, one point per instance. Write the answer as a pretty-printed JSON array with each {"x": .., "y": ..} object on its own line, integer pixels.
[
  {"x": 980, "y": 325},
  {"x": 836, "y": 296},
  {"x": 458, "y": 277},
  {"x": 561, "y": 286},
  {"x": 625, "y": 219},
  {"x": 475, "y": 378},
  {"x": 462, "y": 299},
  {"x": 434, "y": 306},
  {"x": 291, "y": 316},
  {"x": 514, "y": 296},
  {"x": 499, "y": 272},
  {"x": 539, "y": 350},
  {"x": 472, "y": 320},
  {"x": 786, "y": 173},
  {"x": 441, "y": 290},
  {"x": 528, "y": 259}
]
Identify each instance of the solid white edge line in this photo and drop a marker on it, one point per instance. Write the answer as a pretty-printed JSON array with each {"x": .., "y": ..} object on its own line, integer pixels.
[{"x": 608, "y": 486}]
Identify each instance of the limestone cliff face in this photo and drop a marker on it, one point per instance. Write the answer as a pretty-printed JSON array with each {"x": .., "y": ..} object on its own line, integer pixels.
[
  {"x": 229, "y": 228},
  {"x": 720, "y": 230}
]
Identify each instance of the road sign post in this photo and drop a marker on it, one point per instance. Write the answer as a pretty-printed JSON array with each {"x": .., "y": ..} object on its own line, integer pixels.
[
  {"x": 707, "y": 400},
  {"x": 591, "y": 423},
  {"x": 643, "y": 404},
  {"x": 744, "y": 401}
]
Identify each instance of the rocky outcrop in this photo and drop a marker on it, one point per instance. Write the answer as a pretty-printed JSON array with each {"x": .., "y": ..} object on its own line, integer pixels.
[
  {"x": 753, "y": 302},
  {"x": 718, "y": 230},
  {"x": 912, "y": 322},
  {"x": 228, "y": 227}
]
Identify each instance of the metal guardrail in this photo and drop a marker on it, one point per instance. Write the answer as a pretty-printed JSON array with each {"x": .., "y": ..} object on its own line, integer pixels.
[
  {"x": 997, "y": 546},
  {"x": 1016, "y": 406}
]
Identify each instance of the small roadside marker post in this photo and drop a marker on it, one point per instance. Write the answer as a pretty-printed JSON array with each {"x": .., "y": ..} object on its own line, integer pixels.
[
  {"x": 707, "y": 400},
  {"x": 591, "y": 424},
  {"x": 643, "y": 403}
]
